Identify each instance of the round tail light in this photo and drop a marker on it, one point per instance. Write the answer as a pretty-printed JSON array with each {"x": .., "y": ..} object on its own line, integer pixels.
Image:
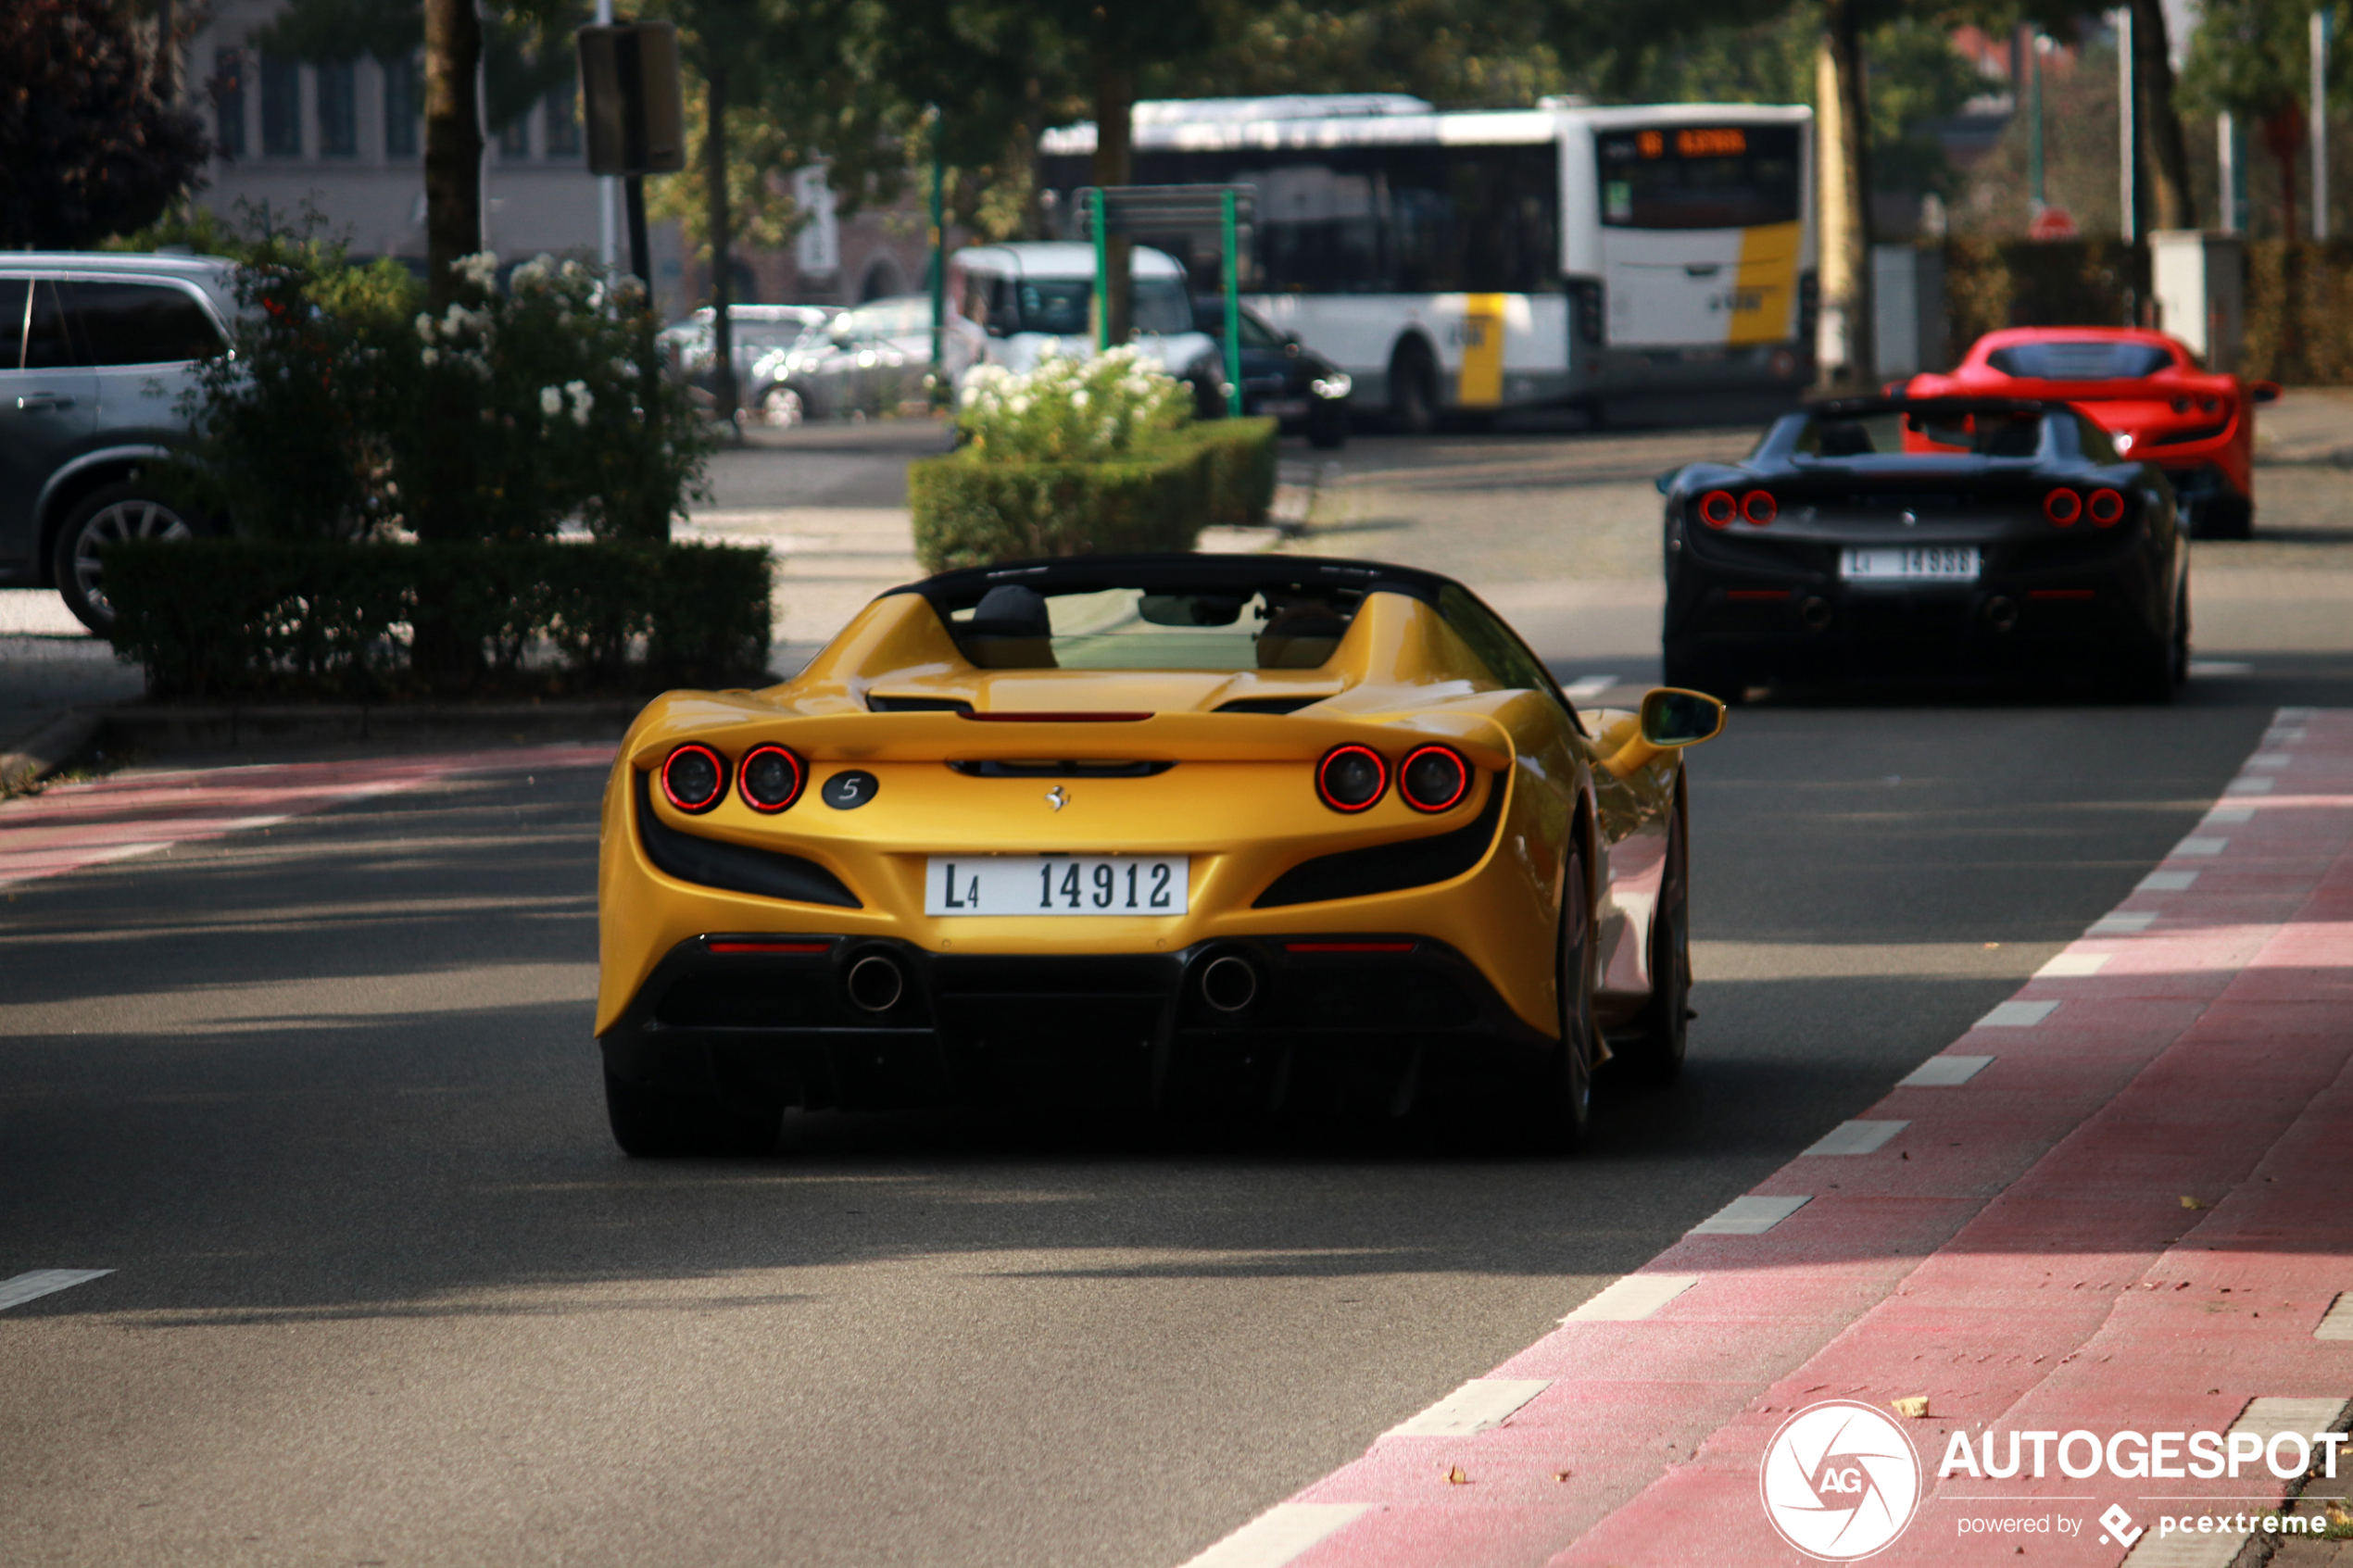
[
  {"x": 694, "y": 777},
  {"x": 1716, "y": 509},
  {"x": 1760, "y": 507},
  {"x": 2105, "y": 507},
  {"x": 2062, "y": 507},
  {"x": 770, "y": 778},
  {"x": 1351, "y": 778},
  {"x": 1433, "y": 778}
]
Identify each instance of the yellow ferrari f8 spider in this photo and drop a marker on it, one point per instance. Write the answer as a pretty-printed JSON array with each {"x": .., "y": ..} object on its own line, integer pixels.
[{"x": 1145, "y": 830}]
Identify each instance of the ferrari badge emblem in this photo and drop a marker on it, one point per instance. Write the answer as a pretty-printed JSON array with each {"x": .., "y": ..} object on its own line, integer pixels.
[{"x": 1058, "y": 798}]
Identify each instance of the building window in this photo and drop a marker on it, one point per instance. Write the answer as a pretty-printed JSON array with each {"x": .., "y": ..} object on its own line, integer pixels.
[
  {"x": 401, "y": 109},
  {"x": 281, "y": 107},
  {"x": 514, "y": 137},
  {"x": 563, "y": 120},
  {"x": 229, "y": 101},
  {"x": 338, "y": 113}
]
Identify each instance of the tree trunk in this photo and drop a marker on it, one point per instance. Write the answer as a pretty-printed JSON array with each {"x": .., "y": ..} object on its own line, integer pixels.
[
  {"x": 1114, "y": 164},
  {"x": 714, "y": 154},
  {"x": 1845, "y": 143},
  {"x": 2284, "y": 139},
  {"x": 453, "y": 142},
  {"x": 2172, "y": 206}
]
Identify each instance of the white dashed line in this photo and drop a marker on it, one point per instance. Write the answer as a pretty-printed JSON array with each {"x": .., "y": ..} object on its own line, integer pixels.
[
  {"x": 2075, "y": 966},
  {"x": 2017, "y": 1015},
  {"x": 2337, "y": 1323},
  {"x": 1753, "y": 1215},
  {"x": 1854, "y": 1137},
  {"x": 1585, "y": 688},
  {"x": 1476, "y": 1406},
  {"x": 1633, "y": 1299},
  {"x": 44, "y": 1282},
  {"x": 2221, "y": 667},
  {"x": 2167, "y": 882},
  {"x": 2121, "y": 923},
  {"x": 2249, "y": 786},
  {"x": 2271, "y": 761},
  {"x": 1280, "y": 1534},
  {"x": 1943, "y": 1073},
  {"x": 2201, "y": 846},
  {"x": 2223, "y": 815}
]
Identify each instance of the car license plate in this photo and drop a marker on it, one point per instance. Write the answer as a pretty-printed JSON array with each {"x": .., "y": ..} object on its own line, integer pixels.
[
  {"x": 1282, "y": 408},
  {"x": 1947, "y": 563},
  {"x": 1057, "y": 885}
]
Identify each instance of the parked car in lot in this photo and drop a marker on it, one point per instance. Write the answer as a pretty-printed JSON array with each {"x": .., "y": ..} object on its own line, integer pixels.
[
  {"x": 869, "y": 361},
  {"x": 1282, "y": 378},
  {"x": 2149, "y": 393},
  {"x": 759, "y": 331},
  {"x": 98, "y": 351},
  {"x": 1013, "y": 303},
  {"x": 1927, "y": 535}
]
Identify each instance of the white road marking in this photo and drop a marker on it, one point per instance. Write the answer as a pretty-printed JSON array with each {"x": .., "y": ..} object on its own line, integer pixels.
[
  {"x": 1854, "y": 1137},
  {"x": 2263, "y": 1418},
  {"x": 44, "y": 1282},
  {"x": 2121, "y": 923},
  {"x": 1476, "y": 1406},
  {"x": 1280, "y": 1534},
  {"x": 2221, "y": 815},
  {"x": 2249, "y": 786},
  {"x": 2165, "y": 881},
  {"x": 2017, "y": 1015},
  {"x": 2283, "y": 734},
  {"x": 2337, "y": 1323},
  {"x": 2271, "y": 761},
  {"x": 1633, "y": 1299},
  {"x": 2194, "y": 845},
  {"x": 1585, "y": 688},
  {"x": 1752, "y": 1215},
  {"x": 2221, "y": 667},
  {"x": 2295, "y": 715},
  {"x": 2075, "y": 966},
  {"x": 1943, "y": 1073}
]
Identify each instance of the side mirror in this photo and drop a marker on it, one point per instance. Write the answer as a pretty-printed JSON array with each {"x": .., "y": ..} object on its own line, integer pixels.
[
  {"x": 1671, "y": 717},
  {"x": 1665, "y": 481},
  {"x": 2264, "y": 390}
]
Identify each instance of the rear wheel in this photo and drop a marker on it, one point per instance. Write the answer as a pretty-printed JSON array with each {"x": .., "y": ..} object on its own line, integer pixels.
[
  {"x": 662, "y": 1124},
  {"x": 1655, "y": 1055},
  {"x": 1328, "y": 428},
  {"x": 1413, "y": 389},
  {"x": 1562, "y": 1109},
  {"x": 2226, "y": 516},
  {"x": 113, "y": 515}
]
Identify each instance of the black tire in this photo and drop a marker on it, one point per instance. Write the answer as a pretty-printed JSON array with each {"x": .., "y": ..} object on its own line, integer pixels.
[
  {"x": 1413, "y": 390},
  {"x": 2180, "y": 670},
  {"x": 1562, "y": 1109},
  {"x": 2225, "y": 516},
  {"x": 1654, "y": 1054},
  {"x": 109, "y": 515},
  {"x": 1327, "y": 430},
  {"x": 652, "y": 1123}
]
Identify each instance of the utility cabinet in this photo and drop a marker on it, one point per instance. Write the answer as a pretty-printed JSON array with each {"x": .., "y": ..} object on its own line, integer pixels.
[
  {"x": 2199, "y": 280},
  {"x": 1908, "y": 315}
]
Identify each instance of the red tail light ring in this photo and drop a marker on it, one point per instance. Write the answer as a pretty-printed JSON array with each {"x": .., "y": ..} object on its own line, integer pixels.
[
  {"x": 1716, "y": 509},
  {"x": 2105, "y": 507},
  {"x": 1759, "y": 507},
  {"x": 1351, "y": 778},
  {"x": 694, "y": 777},
  {"x": 2063, "y": 506},
  {"x": 1433, "y": 778},
  {"x": 770, "y": 778}
]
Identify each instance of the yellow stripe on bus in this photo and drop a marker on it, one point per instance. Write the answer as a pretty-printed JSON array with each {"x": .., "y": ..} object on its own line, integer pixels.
[
  {"x": 1765, "y": 292},
  {"x": 1482, "y": 379}
]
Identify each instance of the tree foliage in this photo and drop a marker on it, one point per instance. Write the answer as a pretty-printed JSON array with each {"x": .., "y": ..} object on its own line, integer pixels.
[{"x": 90, "y": 143}]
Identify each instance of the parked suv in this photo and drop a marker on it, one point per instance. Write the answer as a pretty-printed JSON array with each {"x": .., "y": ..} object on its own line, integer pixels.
[{"x": 96, "y": 351}]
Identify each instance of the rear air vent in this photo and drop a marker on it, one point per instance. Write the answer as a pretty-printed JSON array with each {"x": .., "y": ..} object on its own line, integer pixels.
[
  {"x": 1026, "y": 769},
  {"x": 1266, "y": 704},
  {"x": 736, "y": 868},
  {"x": 877, "y": 703},
  {"x": 1416, "y": 862}
]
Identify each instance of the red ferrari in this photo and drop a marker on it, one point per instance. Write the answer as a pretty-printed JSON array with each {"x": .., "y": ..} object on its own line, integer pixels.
[{"x": 2148, "y": 391}]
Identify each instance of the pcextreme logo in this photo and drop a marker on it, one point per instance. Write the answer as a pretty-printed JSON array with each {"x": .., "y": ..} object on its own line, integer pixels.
[{"x": 1839, "y": 1480}]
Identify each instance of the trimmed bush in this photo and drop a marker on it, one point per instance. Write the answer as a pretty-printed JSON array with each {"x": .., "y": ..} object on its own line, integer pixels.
[
  {"x": 970, "y": 511},
  {"x": 244, "y": 618}
]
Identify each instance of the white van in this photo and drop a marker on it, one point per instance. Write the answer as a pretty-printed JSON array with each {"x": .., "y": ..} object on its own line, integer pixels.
[{"x": 1012, "y": 303}]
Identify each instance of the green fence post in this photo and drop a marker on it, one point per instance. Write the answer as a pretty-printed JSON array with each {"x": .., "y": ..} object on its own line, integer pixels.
[
  {"x": 1233, "y": 312},
  {"x": 1103, "y": 276}
]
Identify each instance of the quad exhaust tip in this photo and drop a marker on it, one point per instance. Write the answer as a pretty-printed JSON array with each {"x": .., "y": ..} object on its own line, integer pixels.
[
  {"x": 875, "y": 983},
  {"x": 1229, "y": 983},
  {"x": 2001, "y": 614},
  {"x": 1816, "y": 613}
]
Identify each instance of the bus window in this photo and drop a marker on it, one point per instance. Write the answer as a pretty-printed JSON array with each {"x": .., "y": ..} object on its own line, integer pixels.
[{"x": 1699, "y": 177}]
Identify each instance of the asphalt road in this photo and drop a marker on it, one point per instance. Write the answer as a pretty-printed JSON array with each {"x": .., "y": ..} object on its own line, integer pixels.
[{"x": 325, "y": 1100}]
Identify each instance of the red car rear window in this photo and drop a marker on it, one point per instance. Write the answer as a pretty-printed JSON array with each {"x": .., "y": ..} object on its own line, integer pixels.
[{"x": 2080, "y": 359}]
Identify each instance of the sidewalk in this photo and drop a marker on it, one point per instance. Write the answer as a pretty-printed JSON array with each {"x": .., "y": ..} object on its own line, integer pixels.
[{"x": 2118, "y": 1203}]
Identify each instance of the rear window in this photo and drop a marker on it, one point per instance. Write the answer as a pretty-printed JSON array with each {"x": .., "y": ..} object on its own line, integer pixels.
[
  {"x": 1699, "y": 176},
  {"x": 1986, "y": 434},
  {"x": 143, "y": 324},
  {"x": 2080, "y": 359},
  {"x": 1064, "y": 306},
  {"x": 1018, "y": 628}
]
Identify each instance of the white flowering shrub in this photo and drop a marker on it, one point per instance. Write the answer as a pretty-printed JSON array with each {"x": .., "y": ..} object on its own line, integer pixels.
[{"x": 1069, "y": 410}]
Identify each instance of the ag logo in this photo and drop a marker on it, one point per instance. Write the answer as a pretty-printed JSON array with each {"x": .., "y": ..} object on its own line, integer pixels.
[{"x": 1839, "y": 1480}]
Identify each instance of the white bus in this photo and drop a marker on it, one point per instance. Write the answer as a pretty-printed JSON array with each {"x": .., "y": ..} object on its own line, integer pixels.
[{"x": 1491, "y": 259}]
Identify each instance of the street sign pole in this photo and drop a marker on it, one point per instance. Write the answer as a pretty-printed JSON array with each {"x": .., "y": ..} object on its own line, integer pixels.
[
  {"x": 1103, "y": 274},
  {"x": 1233, "y": 309},
  {"x": 938, "y": 390}
]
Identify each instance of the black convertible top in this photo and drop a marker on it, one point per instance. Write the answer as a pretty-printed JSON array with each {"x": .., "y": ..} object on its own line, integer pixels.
[
  {"x": 1173, "y": 570},
  {"x": 1864, "y": 408}
]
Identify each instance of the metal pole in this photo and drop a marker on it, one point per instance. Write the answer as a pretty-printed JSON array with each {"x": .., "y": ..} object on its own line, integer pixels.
[
  {"x": 938, "y": 262},
  {"x": 2226, "y": 170},
  {"x": 1233, "y": 311},
  {"x": 634, "y": 191},
  {"x": 607, "y": 234},
  {"x": 2319, "y": 118},
  {"x": 2035, "y": 128},
  {"x": 2127, "y": 142},
  {"x": 1103, "y": 275}
]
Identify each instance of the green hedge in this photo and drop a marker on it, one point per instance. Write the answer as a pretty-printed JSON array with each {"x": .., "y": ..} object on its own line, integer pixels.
[
  {"x": 237, "y": 618},
  {"x": 969, "y": 511}
]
